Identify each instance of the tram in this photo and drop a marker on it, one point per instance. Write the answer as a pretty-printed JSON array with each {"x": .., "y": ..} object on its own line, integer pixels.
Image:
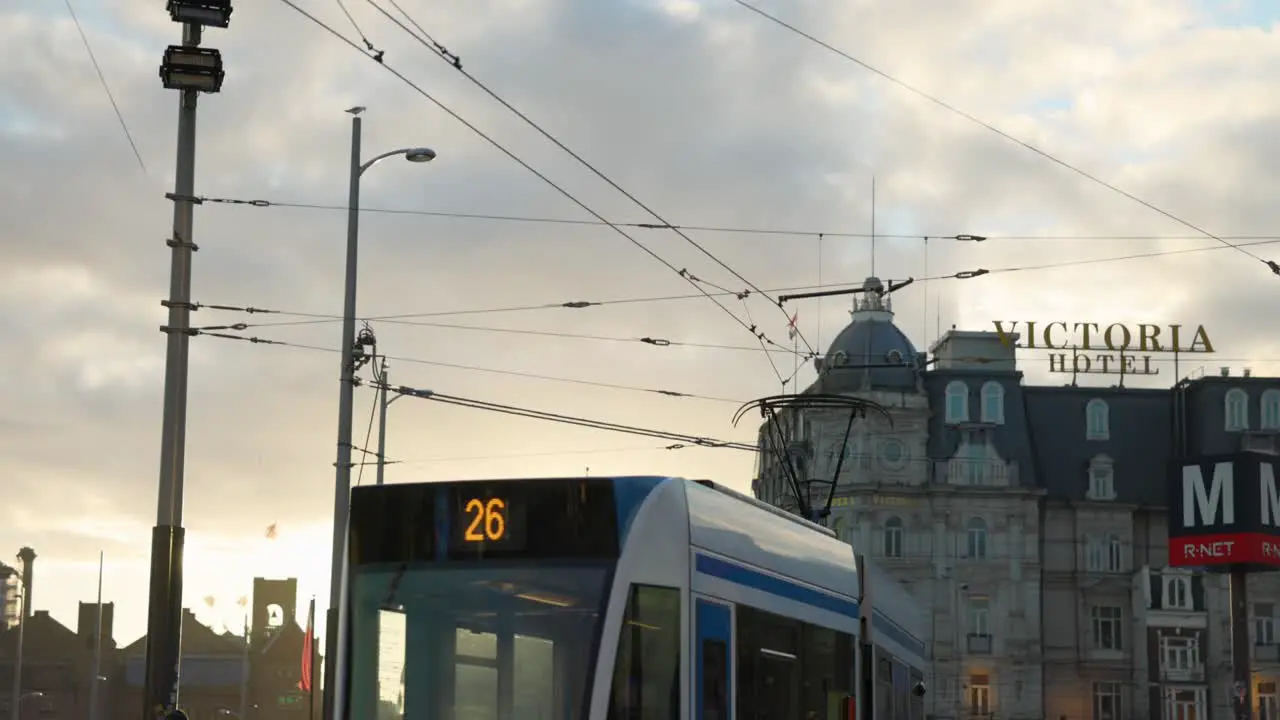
[{"x": 625, "y": 598}]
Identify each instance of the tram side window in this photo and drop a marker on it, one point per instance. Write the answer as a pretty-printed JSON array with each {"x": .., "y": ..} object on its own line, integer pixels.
[
  {"x": 646, "y": 673},
  {"x": 715, "y": 680},
  {"x": 884, "y": 689},
  {"x": 790, "y": 669}
]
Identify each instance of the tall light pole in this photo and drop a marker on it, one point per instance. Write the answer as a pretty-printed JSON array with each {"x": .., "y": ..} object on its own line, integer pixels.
[
  {"x": 383, "y": 403},
  {"x": 23, "y": 598},
  {"x": 191, "y": 70},
  {"x": 334, "y": 646}
]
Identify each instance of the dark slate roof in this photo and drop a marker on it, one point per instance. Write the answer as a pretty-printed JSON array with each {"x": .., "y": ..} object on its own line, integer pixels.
[
  {"x": 870, "y": 339},
  {"x": 197, "y": 639},
  {"x": 1140, "y": 443}
]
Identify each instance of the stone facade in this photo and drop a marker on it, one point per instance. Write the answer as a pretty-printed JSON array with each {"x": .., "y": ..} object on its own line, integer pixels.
[{"x": 1030, "y": 522}]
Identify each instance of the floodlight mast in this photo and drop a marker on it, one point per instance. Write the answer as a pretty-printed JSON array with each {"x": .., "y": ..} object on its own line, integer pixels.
[{"x": 190, "y": 70}]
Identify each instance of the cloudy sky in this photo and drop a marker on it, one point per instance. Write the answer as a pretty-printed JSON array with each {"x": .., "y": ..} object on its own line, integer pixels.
[{"x": 708, "y": 113}]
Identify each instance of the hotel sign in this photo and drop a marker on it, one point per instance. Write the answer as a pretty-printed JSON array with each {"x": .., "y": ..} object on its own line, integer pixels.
[{"x": 1097, "y": 349}]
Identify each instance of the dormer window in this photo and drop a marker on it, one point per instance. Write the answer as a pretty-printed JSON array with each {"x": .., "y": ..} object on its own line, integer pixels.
[
  {"x": 1271, "y": 410},
  {"x": 993, "y": 403},
  {"x": 1236, "y": 409},
  {"x": 957, "y": 396},
  {"x": 1097, "y": 420},
  {"x": 1101, "y": 479}
]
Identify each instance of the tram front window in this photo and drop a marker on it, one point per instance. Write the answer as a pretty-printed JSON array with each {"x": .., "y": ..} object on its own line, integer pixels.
[{"x": 466, "y": 641}]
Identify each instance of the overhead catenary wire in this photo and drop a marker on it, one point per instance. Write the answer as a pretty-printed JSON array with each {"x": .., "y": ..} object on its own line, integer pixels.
[
  {"x": 106, "y": 87},
  {"x": 782, "y": 232},
  {"x": 210, "y": 332},
  {"x": 540, "y": 175},
  {"x": 455, "y": 61},
  {"x": 568, "y": 419},
  {"x": 551, "y": 454},
  {"x": 310, "y": 318},
  {"x": 1272, "y": 265}
]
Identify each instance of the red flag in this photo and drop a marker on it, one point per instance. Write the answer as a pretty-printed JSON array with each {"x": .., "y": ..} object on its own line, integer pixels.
[{"x": 308, "y": 650}]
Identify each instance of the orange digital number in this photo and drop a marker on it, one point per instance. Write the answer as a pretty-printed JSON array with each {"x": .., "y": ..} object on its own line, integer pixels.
[{"x": 488, "y": 520}]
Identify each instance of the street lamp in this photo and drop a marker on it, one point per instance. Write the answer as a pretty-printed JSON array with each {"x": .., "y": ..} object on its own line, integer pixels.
[
  {"x": 346, "y": 391},
  {"x": 191, "y": 70}
]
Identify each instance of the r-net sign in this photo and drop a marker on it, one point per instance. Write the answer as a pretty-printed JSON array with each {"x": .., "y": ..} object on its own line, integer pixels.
[{"x": 1225, "y": 510}]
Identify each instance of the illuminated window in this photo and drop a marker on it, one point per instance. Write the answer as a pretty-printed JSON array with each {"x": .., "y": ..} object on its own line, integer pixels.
[
  {"x": 893, "y": 533},
  {"x": 957, "y": 396},
  {"x": 1106, "y": 700},
  {"x": 1097, "y": 420},
  {"x": 993, "y": 403},
  {"x": 1267, "y": 705},
  {"x": 1188, "y": 704},
  {"x": 979, "y": 695},
  {"x": 1236, "y": 407},
  {"x": 1271, "y": 410}
]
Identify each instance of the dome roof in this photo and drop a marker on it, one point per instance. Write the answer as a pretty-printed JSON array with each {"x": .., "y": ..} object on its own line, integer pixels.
[{"x": 856, "y": 357}]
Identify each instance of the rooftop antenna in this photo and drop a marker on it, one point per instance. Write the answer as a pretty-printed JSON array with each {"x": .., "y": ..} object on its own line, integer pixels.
[{"x": 873, "y": 225}]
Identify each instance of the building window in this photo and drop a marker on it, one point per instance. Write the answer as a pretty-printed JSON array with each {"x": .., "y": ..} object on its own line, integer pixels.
[
  {"x": 979, "y": 695},
  {"x": 993, "y": 403},
  {"x": 1264, "y": 624},
  {"x": 1097, "y": 420},
  {"x": 893, "y": 537},
  {"x": 1271, "y": 410},
  {"x": 1185, "y": 704},
  {"x": 957, "y": 402},
  {"x": 1093, "y": 554},
  {"x": 977, "y": 537},
  {"x": 979, "y": 616},
  {"x": 1106, "y": 700},
  {"x": 1115, "y": 554},
  {"x": 1267, "y": 705},
  {"x": 1102, "y": 484},
  {"x": 1177, "y": 592},
  {"x": 1179, "y": 654},
  {"x": 1106, "y": 627},
  {"x": 1237, "y": 410}
]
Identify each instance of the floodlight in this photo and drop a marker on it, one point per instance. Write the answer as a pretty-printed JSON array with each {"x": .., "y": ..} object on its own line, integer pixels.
[
  {"x": 192, "y": 68},
  {"x": 210, "y": 13}
]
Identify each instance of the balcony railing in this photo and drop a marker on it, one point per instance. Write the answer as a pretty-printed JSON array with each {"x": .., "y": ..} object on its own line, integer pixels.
[
  {"x": 979, "y": 644},
  {"x": 1267, "y": 653},
  {"x": 976, "y": 473},
  {"x": 1183, "y": 675}
]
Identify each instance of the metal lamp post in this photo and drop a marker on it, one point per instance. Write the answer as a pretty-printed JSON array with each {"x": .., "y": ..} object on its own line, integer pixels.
[
  {"x": 191, "y": 70},
  {"x": 334, "y": 646}
]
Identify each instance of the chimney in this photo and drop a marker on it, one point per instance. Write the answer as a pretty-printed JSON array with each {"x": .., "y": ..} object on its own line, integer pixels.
[
  {"x": 1224, "y": 372},
  {"x": 88, "y": 619},
  {"x": 1248, "y": 372},
  {"x": 28, "y": 558}
]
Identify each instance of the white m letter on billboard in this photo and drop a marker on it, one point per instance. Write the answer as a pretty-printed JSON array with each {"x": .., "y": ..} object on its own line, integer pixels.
[
  {"x": 1270, "y": 496},
  {"x": 1217, "y": 497}
]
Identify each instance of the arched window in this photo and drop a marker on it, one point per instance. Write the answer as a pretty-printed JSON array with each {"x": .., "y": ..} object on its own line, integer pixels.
[
  {"x": 1115, "y": 554},
  {"x": 977, "y": 537},
  {"x": 1237, "y": 410},
  {"x": 1102, "y": 485},
  {"x": 1097, "y": 420},
  {"x": 957, "y": 402},
  {"x": 893, "y": 537},
  {"x": 1271, "y": 410},
  {"x": 993, "y": 402}
]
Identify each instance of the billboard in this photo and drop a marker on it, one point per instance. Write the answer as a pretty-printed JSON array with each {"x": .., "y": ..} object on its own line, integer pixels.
[{"x": 1224, "y": 510}]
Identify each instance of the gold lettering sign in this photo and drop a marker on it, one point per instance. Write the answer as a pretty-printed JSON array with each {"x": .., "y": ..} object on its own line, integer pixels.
[{"x": 1095, "y": 349}]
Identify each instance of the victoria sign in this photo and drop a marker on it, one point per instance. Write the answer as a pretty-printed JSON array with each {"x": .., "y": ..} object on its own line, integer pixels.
[
  {"x": 1224, "y": 510},
  {"x": 1094, "y": 348}
]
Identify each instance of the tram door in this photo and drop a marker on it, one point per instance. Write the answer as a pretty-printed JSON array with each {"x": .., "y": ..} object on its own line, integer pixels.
[{"x": 714, "y": 655}]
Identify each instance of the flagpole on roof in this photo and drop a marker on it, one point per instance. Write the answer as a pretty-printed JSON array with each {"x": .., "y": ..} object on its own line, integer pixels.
[
  {"x": 244, "y": 668},
  {"x": 94, "y": 689}
]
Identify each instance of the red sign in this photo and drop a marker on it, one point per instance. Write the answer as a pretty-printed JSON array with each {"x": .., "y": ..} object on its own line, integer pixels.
[{"x": 1225, "y": 549}]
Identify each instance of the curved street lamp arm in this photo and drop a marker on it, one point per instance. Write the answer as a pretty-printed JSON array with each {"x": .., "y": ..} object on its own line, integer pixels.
[{"x": 379, "y": 158}]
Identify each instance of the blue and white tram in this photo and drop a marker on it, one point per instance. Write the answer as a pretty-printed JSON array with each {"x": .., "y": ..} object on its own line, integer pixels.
[{"x": 631, "y": 598}]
